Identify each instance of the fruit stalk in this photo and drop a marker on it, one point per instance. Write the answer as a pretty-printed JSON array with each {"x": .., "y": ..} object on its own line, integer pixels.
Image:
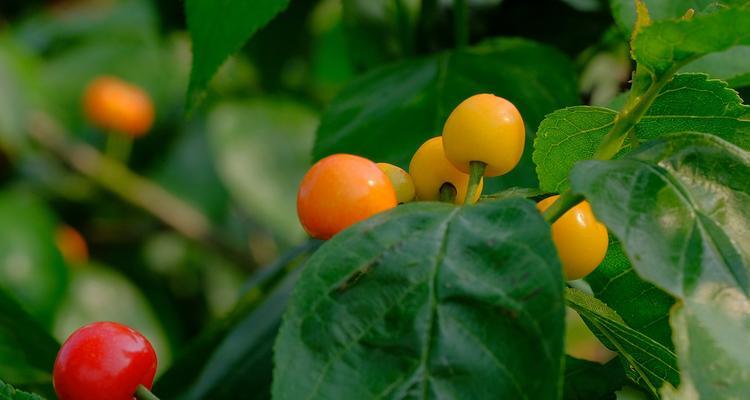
[
  {"x": 141, "y": 393},
  {"x": 476, "y": 171},
  {"x": 567, "y": 200}
]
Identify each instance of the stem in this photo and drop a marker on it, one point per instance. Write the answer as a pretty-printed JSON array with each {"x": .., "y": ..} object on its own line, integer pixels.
[
  {"x": 476, "y": 171},
  {"x": 136, "y": 190},
  {"x": 118, "y": 147},
  {"x": 141, "y": 393},
  {"x": 565, "y": 202},
  {"x": 461, "y": 22},
  {"x": 631, "y": 114},
  {"x": 448, "y": 193}
]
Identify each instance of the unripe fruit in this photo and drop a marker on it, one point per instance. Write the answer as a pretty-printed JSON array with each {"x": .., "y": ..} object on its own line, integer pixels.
[
  {"x": 339, "y": 191},
  {"x": 401, "y": 180},
  {"x": 103, "y": 360},
  {"x": 485, "y": 128},
  {"x": 430, "y": 170},
  {"x": 581, "y": 240},
  {"x": 114, "y": 105}
]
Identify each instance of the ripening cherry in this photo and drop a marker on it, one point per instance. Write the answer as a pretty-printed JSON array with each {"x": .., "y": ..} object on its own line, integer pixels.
[
  {"x": 339, "y": 191},
  {"x": 581, "y": 240}
]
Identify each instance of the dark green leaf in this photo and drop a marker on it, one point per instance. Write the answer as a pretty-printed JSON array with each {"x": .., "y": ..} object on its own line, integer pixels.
[
  {"x": 422, "y": 302},
  {"x": 220, "y": 29},
  {"x": 388, "y": 113},
  {"x": 680, "y": 207},
  {"x": 379, "y": 31},
  {"x": 27, "y": 351},
  {"x": 687, "y": 102},
  {"x": 641, "y": 305},
  {"x": 242, "y": 362},
  {"x": 274, "y": 281},
  {"x": 587, "y": 380},
  {"x": 649, "y": 362},
  {"x": 7, "y": 392}
]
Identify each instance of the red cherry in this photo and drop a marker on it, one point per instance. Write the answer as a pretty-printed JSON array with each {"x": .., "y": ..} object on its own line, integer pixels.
[{"x": 103, "y": 361}]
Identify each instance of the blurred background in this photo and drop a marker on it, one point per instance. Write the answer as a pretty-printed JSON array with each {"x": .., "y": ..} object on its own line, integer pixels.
[{"x": 171, "y": 239}]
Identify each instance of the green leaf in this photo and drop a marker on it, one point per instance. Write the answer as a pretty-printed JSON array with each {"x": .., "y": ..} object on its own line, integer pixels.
[
  {"x": 669, "y": 43},
  {"x": 262, "y": 149},
  {"x": 587, "y": 380},
  {"x": 624, "y": 10},
  {"x": 650, "y": 363},
  {"x": 388, "y": 113},
  {"x": 27, "y": 351},
  {"x": 692, "y": 204},
  {"x": 32, "y": 269},
  {"x": 220, "y": 29},
  {"x": 422, "y": 302},
  {"x": 731, "y": 65},
  {"x": 687, "y": 102},
  {"x": 711, "y": 332},
  {"x": 679, "y": 206},
  {"x": 643, "y": 306},
  {"x": 7, "y": 392}
]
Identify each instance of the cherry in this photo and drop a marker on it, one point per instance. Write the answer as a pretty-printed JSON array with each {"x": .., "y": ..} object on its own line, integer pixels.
[{"x": 104, "y": 361}]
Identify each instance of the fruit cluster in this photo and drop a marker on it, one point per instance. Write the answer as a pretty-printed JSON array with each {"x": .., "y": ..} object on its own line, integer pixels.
[{"x": 484, "y": 136}]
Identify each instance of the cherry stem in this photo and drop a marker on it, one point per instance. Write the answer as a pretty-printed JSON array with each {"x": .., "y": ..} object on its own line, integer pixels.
[
  {"x": 141, "y": 393},
  {"x": 565, "y": 202},
  {"x": 118, "y": 146},
  {"x": 448, "y": 193},
  {"x": 476, "y": 171}
]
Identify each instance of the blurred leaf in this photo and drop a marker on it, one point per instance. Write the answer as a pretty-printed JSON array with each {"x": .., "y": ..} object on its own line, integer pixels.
[
  {"x": 379, "y": 31},
  {"x": 641, "y": 305},
  {"x": 218, "y": 30},
  {"x": 188, "y": 170},
  {"x": 53, "y": 29},
  {"x": 680, "y": 206},
  {"x": 27, "y": 351},
  {"x": 331, "y": 65},
  {"x": 584, "y": 5},
  {"x": 587, "y": 380},
  {"x": 31, "y": 266},
  {"x": 422, "y": 302},
  {"x": 99, "y": 293},
  {"x": 264, "y": 298},
  {"x": 386, "y": 114},
  {"x": 262, "y": 149},
  {"x": 7, "y": 392},
  {"x": 687, "y": 102},
  {"x": 18, "y": 80},
  {"x": 648, "y": 361}
]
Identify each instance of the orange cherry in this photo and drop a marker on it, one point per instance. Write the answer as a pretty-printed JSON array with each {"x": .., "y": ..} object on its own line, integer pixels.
[
  {"x": 339, "y": 191},
  {"x": 115, "y": 105}
]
